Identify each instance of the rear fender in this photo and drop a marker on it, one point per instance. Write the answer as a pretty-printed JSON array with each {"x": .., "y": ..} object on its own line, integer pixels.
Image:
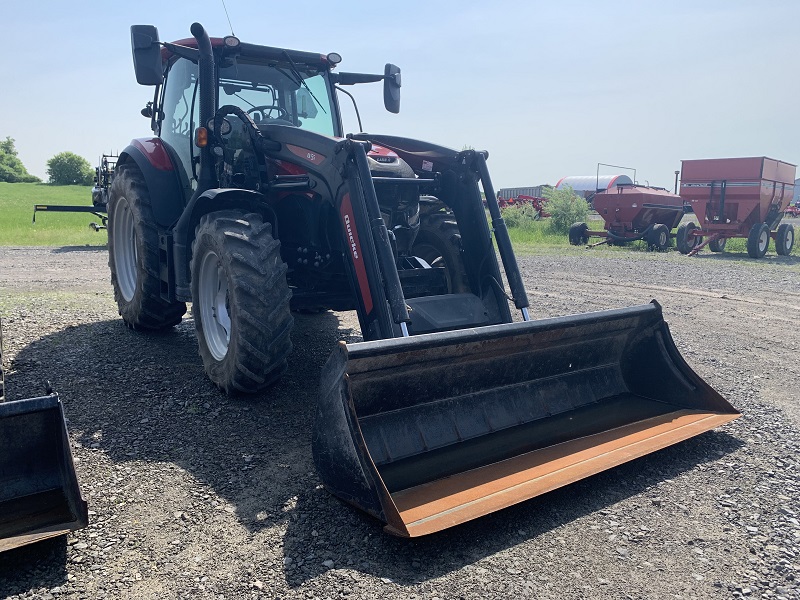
[{"x": 163, "y": 179}]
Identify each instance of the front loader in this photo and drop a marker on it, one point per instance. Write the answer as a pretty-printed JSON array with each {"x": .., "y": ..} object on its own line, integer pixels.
[
  {"x": 250, "y": 201},
  {"x": 39, "y": 493}
]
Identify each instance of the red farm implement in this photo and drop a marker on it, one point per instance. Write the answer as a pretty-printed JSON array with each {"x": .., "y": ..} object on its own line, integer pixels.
[
  {"x": 737, "y": 198},
  {"x": 632, "y": 212},
  {"x": 536, "y": 202},
  {"x": 792, "y": 211}
]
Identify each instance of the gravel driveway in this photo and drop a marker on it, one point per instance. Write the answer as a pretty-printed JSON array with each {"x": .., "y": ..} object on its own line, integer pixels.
[{"x": 193, "y": 494}]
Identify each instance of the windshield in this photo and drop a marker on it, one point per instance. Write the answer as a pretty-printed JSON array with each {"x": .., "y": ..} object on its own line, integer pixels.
[{"x": 275, "y": 94}]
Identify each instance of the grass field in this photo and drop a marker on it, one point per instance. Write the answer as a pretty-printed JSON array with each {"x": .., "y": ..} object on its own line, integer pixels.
[{"x": 50, "y": 229}]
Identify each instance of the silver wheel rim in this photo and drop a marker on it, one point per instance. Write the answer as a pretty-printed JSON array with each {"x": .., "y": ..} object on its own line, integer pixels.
[
  {"x": 662, "y": 239},
  {"x": 213, "y": 301},
  {"x": 763, "y": 240},
  {"x": 789, "y": 241},
  {"x": 125, "y": 254}
]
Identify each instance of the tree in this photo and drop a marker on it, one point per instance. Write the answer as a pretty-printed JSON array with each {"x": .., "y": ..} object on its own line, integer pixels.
[
  {"x": 67, "y": 168},
  {"x": 565, "y": 208},
  {"x": 11, "y": 168}
]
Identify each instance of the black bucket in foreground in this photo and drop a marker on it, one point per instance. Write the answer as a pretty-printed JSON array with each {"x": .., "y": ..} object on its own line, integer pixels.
[
  {"x": 430, "y": 431},
  {"x": 39, "y": 493}
]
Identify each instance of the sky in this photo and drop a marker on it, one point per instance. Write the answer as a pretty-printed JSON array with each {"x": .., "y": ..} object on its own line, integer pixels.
[{"x": 550, "y": 89}]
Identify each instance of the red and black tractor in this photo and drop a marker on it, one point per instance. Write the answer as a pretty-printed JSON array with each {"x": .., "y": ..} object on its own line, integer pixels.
[{"x": 250, "y": 199}]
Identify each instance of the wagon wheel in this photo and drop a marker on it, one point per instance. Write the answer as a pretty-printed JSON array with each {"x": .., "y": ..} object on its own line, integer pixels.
[
  {"x": 658, "y": 238},
  {"x": 577, "y": 234},
  {"x": 784, "y": 239},
  {"x": 758, "y": 240},
  {"x": 684, "y": 238},
  {"x": 718, "y": 245}
]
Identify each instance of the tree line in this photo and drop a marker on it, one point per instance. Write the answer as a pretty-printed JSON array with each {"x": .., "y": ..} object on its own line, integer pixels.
[{"x": 65, "y": 168}]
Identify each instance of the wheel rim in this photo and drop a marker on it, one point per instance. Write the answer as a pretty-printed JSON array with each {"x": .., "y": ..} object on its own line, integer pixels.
[
  {"x": 691, "y": 240},
  {"x": 662, "y": 239},
  {"x": 125, "y": 254},
  {"x": 789, "y": 242},
  {"x": 213, "y": 300},
  {"x": 763, "y": 240}
]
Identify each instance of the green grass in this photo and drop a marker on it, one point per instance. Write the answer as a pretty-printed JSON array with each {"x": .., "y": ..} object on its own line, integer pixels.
[
  {"x": 50, "y": 229},
  {"x": 537, "y": 236}
]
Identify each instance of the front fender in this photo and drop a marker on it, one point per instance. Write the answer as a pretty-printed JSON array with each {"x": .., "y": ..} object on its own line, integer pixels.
[{"x": 210, "y": 201}]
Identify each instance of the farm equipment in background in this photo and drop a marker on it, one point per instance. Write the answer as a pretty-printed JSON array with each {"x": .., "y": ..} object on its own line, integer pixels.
[
  {"x": 632, "y": 212},
  {"x": 103, "y": 175},
  {"x": 257, "y": 203},
  {"x": 737, "y": 198},
  {"x": 39, "y": 493},
  {"x": 535, "y": 202},
  {"x": 793, "y": 210}
]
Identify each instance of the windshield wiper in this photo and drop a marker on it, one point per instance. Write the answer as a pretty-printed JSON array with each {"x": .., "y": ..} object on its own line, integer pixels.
[{"x": 299, "y": 79}]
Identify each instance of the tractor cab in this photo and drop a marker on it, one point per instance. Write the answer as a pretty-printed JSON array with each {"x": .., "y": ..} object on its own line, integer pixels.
[{"x": 263, "y": 85}]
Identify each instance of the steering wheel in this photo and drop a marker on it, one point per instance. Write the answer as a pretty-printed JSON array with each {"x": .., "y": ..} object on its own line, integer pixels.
[{"x": 266, "y": 111}]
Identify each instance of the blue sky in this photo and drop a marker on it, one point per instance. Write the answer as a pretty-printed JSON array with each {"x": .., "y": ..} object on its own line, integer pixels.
[{"x": 548, "y": 88}]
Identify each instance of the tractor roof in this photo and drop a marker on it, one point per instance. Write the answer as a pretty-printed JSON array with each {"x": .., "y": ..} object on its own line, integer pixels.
[{"x": 267, "y": 53}]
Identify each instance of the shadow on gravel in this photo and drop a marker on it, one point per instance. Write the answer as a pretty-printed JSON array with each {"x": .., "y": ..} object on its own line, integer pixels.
[
  {"x": 33, "y": 567},
  {"x": 145, "y": 397},
  {"x": 364, "y": 547},
  {"x": 65, "y": 249}
]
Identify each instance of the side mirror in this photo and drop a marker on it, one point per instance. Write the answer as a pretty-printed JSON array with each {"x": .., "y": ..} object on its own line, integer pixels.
[
  {"x": 146, "y": 55},
  {"x": 391, "y": 88}
]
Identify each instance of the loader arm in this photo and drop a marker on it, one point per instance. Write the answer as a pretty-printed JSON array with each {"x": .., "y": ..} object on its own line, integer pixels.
[{"x": 338, "y": 169}]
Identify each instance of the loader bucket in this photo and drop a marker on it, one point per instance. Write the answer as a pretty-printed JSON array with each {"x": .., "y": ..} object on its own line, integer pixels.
[
  {"x": 429, "y": 431},
  {"x": 39, "y": 494}
]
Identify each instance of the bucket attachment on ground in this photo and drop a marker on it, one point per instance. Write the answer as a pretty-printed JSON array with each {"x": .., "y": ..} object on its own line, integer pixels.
[
  {"x": 39, "y": 494},
  {"x": 429, "y": 431}
]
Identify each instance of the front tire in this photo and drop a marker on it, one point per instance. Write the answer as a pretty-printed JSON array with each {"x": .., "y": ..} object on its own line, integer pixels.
[
  {"x": 758, "y": 240},
  {"x": 133, "y": 255},
  {"x": 438, "y": 243},
  {"x": 240, "y": 301}
]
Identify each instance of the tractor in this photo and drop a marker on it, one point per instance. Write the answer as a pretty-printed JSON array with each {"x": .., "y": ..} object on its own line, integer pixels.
[{"x": 251, "y": 200}]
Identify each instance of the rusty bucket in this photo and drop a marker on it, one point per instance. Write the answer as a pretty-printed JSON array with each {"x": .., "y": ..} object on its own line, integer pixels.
[{"x": 429, "y": 431}]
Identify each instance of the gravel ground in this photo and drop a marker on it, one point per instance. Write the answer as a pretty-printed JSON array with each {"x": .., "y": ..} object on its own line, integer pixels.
[{"x": 193, "y": 494}]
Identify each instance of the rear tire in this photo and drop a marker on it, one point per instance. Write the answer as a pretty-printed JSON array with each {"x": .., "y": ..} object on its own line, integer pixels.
[
  {"x": 240, "y": 301},
  {"x": 717, "y": 245},
  {"x": 684, "y": 241},
  {"x": 758, "y": 240},
  {"x": 784, "y": 239},
  {"x": 438, "y": 243},
  {"x": 658, "y": 238},
  {"x": 577, "y": 234},
  {"x": 133, "y": 255}
]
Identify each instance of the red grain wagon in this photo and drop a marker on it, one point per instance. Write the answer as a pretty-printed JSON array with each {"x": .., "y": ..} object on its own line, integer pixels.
[
  {"x": 737, "y": 198},
  {"x": 633, "y": 212}
]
